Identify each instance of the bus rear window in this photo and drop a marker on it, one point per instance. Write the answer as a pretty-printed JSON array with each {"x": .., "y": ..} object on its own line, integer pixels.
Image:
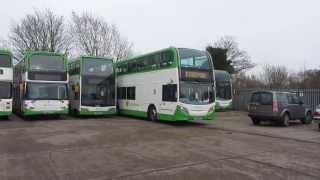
[{"x": 5, "y": 60}]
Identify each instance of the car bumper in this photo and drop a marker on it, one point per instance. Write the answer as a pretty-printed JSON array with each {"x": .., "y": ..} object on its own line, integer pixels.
[
  {"x": 316, "y": 119},
  {"x": 265, "y": 116}
]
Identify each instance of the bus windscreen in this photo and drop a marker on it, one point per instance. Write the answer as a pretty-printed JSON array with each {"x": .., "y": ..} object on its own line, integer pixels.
[
  {"x": 6, "y": 88},
  {"x": 98, "y": 67}
]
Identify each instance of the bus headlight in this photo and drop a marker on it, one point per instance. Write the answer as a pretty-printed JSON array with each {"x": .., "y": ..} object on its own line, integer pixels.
[
  {"x": 185, "y": 110},
  {"x": 211, "y": 109}
]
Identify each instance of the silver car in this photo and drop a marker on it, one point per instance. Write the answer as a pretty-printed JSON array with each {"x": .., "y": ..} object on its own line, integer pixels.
[{"x": 277, "y": 106}]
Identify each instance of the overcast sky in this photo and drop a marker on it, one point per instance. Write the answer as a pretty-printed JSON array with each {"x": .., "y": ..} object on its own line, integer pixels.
[{"x": 283, "y": 32}]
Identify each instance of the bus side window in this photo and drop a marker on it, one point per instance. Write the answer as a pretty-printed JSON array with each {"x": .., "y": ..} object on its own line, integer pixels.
[
  {"x": 165, "y": 59},
  {"x": 121, "y": 93},
  {"x": 131, "y": 93},
  {"x": 132, "y": 67},
  {"x": 169, "y": 92}
]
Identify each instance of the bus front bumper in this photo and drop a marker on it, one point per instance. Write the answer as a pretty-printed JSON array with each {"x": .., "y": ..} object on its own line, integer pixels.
[
  {"x": 95, "y": 111},
  {"x": 30, "y": 112},
  {"x": 182, "y": 114},
  {"x": 223, "y": 106}
]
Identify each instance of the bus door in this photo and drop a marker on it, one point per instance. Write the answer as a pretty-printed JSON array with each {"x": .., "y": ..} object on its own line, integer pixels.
[{"x": 169, "y": 99}]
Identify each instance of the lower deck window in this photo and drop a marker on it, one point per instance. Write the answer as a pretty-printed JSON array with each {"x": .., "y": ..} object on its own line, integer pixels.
[
  {"x": 126, "y": 93},
  {"x": 169, "y": 92}
]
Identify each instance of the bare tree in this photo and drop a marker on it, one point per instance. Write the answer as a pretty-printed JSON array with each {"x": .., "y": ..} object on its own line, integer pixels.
[
  {"x": 243, "y": 81},
  {"x": 240, "y": 60},
  {"x": 94, "y": 36},
  {"x": 40, "y": 31},
  {"x": 4, "y": 44},
  {"x": 275, "y": 76}
]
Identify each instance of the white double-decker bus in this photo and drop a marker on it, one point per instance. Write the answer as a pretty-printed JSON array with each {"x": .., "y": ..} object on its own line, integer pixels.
[
  {"x": 40, "y": 84},
  {"x": 92, "y": 86},
  {"x": 6, "y": 77},
  {"x": 174, "y": 84}
]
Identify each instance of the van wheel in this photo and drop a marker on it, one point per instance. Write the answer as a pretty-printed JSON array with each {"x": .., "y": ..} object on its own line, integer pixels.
[
  {"x": 285, "y": 120},
  {"x": 307, "y": 119},
  {"x": 255, "y": 121},
  {"x": 152, "y": 114}
]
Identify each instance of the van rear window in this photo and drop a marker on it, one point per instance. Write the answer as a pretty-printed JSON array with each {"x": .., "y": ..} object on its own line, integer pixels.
[{"x": 262, "y": 98}]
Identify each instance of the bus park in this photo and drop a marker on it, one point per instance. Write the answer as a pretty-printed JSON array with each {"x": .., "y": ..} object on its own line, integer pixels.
[{"x": 155, "y": 116}]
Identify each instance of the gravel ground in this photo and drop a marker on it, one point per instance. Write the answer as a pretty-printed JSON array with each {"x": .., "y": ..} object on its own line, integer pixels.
[{"x": 229, "y": 147}]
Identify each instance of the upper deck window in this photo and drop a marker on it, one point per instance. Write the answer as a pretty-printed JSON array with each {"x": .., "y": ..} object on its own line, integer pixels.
[
  {"x": 47, "y": 63},
  {"x": 98, "y": 67},
  {"x": 190, "y": 58}
]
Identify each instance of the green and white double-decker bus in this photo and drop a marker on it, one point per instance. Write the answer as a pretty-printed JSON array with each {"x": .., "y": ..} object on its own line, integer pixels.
[
  {"x": 40, "y": 84},
  {"x": 6, "y": 77},
  {"x": 92, "y": 86},
  {"x": 223, "y": 90},
  {"x": 173, "y": 84}
]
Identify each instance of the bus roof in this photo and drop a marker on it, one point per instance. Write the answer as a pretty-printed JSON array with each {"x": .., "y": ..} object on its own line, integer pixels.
[
  {"x": 91, "y": 57},
  {"x": 45, "y": 53},
  {"x": 5, "y": 51},
  {"x": 150, "y": 53},
  {"x": 143, "y": 55}
]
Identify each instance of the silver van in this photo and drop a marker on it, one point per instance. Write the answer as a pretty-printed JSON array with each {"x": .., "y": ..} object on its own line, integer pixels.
[{"x": 277, "y": 106}]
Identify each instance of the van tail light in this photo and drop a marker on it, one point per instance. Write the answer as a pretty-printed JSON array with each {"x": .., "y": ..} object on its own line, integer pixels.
[{"x": 275, "y": 106}]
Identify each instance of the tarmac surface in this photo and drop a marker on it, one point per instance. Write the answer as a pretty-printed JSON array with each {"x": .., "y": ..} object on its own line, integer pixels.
[{"x": 229, "y": 147}]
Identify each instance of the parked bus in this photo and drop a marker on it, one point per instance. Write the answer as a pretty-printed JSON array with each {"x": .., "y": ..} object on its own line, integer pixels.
[
  {"x": 92, "y": 86},
  {"x": 173, "y": 84},
  {"x": 40, "y": 84},
  {"x": 6, "y": 77},
  {"x": 223, "y": 90}
]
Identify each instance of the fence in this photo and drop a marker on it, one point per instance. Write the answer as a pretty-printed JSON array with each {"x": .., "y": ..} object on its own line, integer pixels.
[{"x": 241, "y": 97}]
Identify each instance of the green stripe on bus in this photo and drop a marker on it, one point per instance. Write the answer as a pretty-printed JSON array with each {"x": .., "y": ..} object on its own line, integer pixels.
[
  {"x": 5, "y": 113},
  {"x": 178, "y": 116},
  {"x": 28, "y": 112}
]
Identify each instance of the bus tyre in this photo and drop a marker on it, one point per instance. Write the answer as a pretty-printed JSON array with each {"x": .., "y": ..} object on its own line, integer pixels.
[
  {"x": 284, "y": 121},
  {"x": 152, "y": 114},
  {"x": 307, "y": 119}
]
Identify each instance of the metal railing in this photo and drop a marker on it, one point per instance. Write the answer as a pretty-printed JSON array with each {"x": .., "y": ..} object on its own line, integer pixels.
[{"x": 241, "y": 97}]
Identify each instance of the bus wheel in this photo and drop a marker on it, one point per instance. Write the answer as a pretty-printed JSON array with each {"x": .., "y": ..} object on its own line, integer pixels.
[{"x": 152, "y": 114}]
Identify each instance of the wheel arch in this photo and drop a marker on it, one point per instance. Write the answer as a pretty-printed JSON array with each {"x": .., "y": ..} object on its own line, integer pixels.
[{"x": 285, "y": 111}]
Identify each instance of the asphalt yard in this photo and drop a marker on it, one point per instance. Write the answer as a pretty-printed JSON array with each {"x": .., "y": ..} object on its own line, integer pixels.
[{"x": 229, "y": 147}]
